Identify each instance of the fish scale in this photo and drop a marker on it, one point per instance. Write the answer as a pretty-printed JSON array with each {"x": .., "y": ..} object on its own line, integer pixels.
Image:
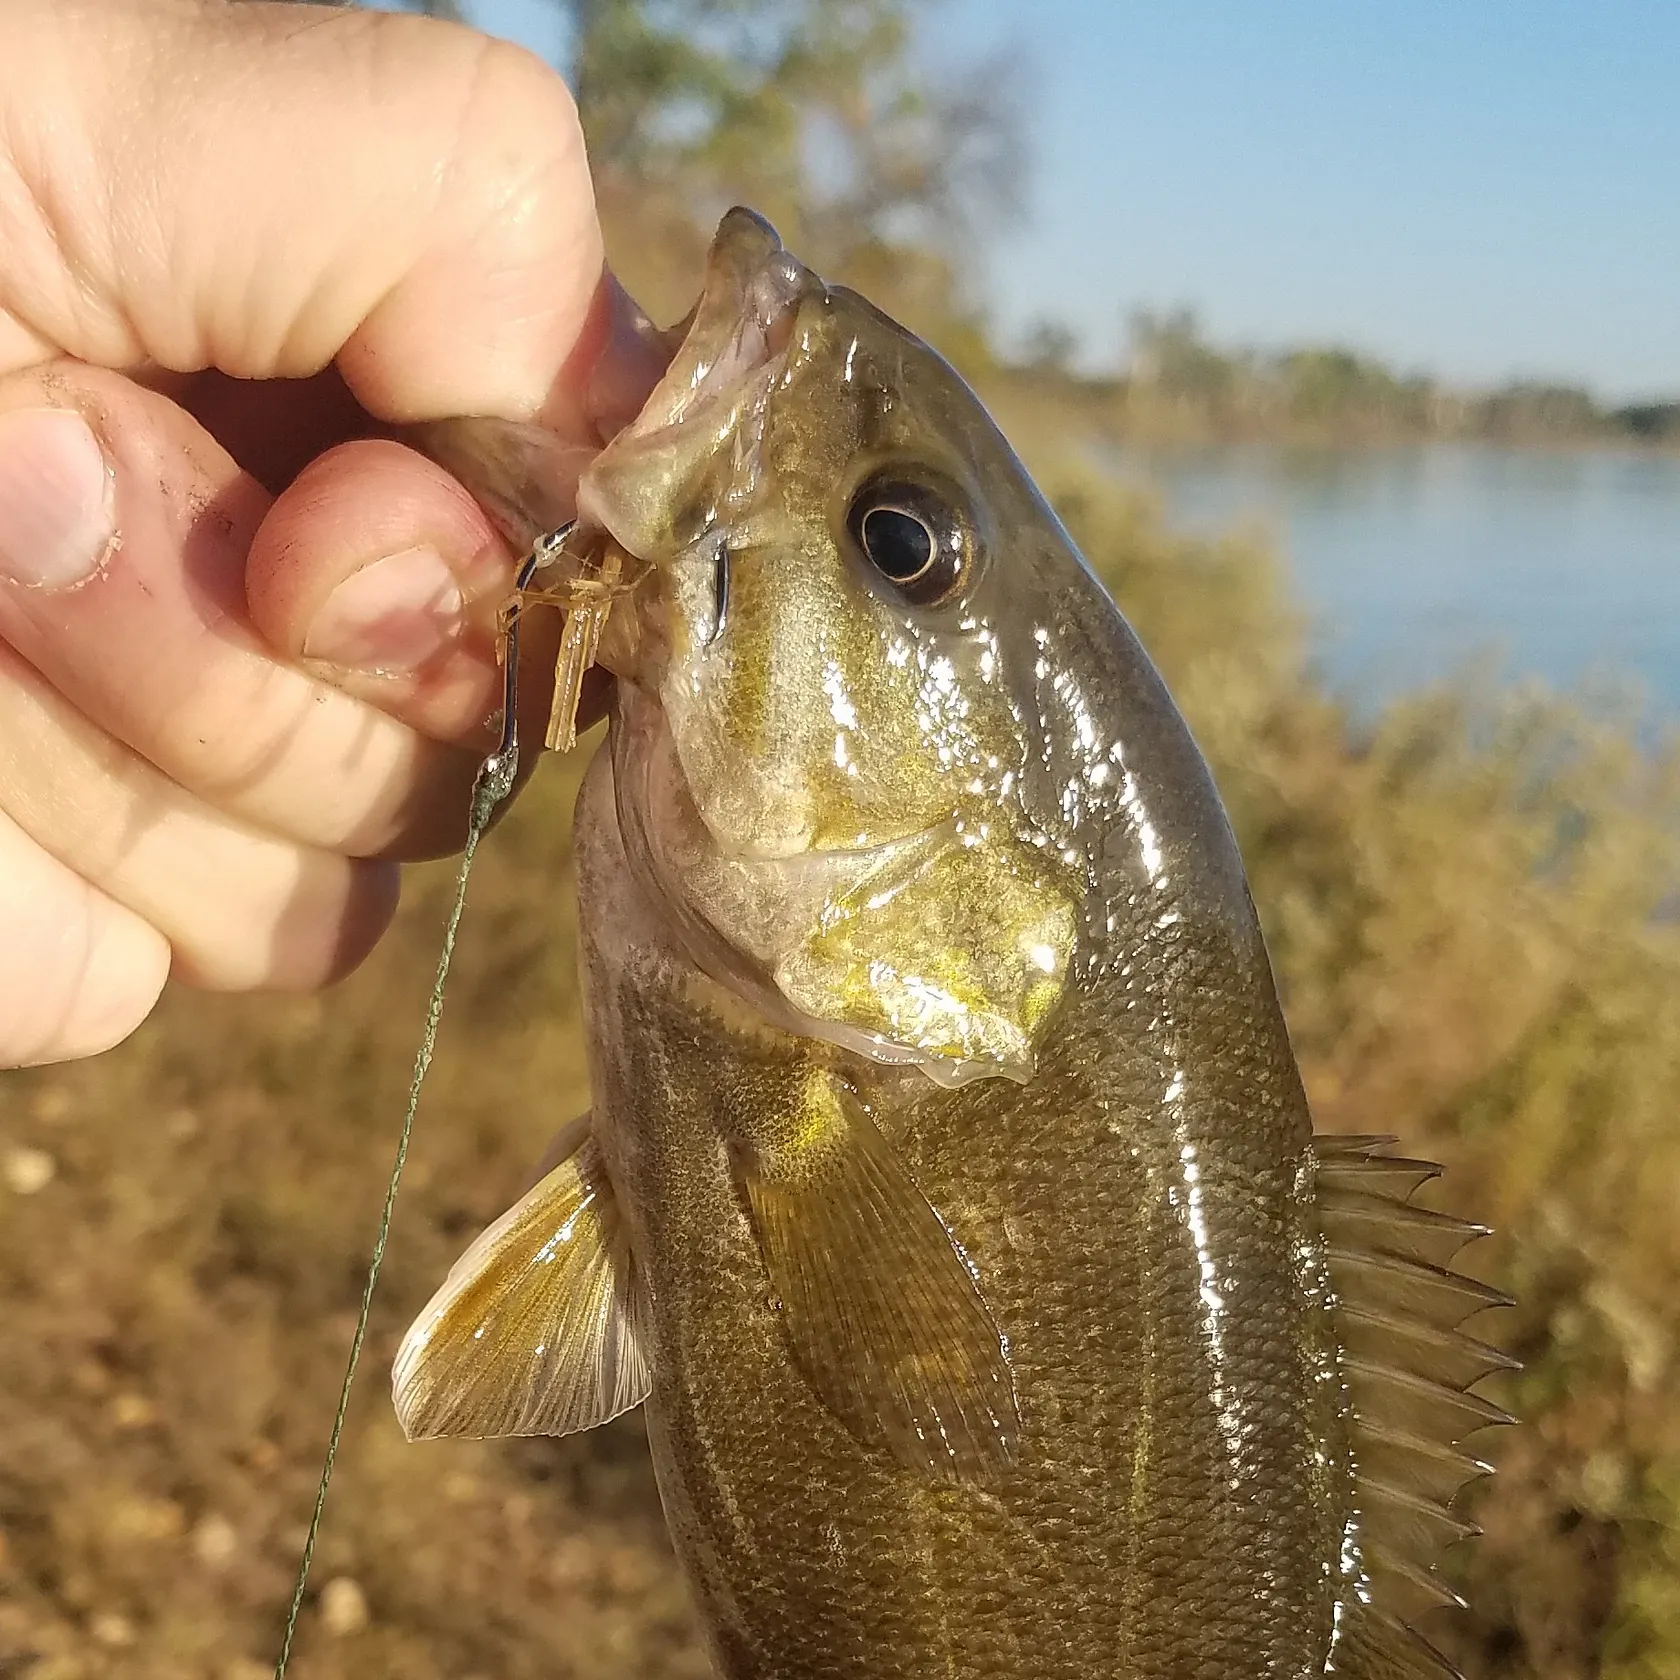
[{"x": 950, "y": 1193}]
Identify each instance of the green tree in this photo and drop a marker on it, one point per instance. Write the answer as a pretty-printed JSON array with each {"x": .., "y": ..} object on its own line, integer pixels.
[
  {"x": 1171, "y": 357},
  {"x": 1051, "y": 346}
]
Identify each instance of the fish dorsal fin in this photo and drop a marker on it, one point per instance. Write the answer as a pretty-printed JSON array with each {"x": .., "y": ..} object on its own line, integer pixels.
[
  {"x": 1408, "y": 1369},
  {"x": 1378, "y": 1646},
  {"x": 537, "y": 1329},
  {"x": 880, "y": 1305}
]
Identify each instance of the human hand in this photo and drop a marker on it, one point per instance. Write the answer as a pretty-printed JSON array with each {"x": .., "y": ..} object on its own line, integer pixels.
[{"x": 246, "y": 647}]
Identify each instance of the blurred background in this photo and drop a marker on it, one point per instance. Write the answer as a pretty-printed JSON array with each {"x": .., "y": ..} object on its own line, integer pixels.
[{"x": 1344, "y": 339}]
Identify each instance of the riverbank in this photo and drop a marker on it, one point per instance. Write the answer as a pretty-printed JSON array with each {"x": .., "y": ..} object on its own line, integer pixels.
[{"x": 1335, "y": 406}]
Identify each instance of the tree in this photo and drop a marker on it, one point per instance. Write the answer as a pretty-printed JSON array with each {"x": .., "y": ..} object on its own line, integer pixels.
[
  {"x": 1171, "y": 356},
  {"x": 815, "y": 105},
  {"x": 1050, "y": 346}
]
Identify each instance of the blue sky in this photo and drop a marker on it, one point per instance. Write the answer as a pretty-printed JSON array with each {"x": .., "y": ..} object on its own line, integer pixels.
[{"x": 1477, "y": 188}]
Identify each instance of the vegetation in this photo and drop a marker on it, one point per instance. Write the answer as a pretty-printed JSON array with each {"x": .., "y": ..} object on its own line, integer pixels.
[
  {"x": 810, "y": 111},
  {"x": 1471, "y": 906},
  {"x": 1181, "y": 387}
]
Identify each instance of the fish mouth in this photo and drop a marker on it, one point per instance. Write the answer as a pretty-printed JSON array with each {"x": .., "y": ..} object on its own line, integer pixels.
[
  {"x": 657, "y": 502},
  {"x": 735, "y": 340},
  {"x": 743, "y": 318},
  {"x": 534, "y": 484},
  {"x": 666, "y": 492}
]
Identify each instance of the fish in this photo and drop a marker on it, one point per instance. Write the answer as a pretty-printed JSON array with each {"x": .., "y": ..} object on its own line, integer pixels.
[{"x": 949, "y": 1195}]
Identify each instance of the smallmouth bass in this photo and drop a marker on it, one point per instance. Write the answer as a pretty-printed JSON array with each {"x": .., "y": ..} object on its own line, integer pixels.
[{"x": 950, "y": 1194}]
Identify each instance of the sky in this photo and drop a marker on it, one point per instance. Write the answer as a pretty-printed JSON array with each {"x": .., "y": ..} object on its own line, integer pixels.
[{"x": 1478, "y": 189}]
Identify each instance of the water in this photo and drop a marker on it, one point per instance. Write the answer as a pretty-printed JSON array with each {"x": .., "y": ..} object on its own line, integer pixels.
[{"x": 1417, "y": 562}]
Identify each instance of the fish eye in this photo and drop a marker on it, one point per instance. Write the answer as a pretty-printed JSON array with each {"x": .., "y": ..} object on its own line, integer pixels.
[{"x": 914, "y": 532}]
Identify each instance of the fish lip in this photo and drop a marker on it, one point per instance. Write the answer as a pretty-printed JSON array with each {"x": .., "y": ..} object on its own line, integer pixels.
[{"x": 742, "y": 321}]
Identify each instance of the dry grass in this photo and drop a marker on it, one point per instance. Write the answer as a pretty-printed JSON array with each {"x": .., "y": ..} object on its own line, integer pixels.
[{"x": 1472, "y": 917}]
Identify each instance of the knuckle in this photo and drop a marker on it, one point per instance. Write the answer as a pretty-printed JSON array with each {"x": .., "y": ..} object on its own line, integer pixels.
[{"x": 519, "y": 146}]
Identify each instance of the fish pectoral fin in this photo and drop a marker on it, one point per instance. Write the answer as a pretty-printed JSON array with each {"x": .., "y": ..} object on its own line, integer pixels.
[
  {"x": 882, "y": 1311},
  {"x": 537, "y": 1329}
]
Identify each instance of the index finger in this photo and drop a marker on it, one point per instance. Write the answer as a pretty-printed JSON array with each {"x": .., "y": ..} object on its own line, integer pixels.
[{"x": 401, "y": 195}]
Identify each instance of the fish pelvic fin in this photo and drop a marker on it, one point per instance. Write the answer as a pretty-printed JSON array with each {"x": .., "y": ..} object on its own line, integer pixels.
[
  {"x": 537, "y": 1330},
  {"x": 1409, "y": 1370},
  {"x": 881, "y": 1307}
]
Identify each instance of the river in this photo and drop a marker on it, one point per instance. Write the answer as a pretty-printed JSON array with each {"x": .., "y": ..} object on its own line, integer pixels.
[{"x": 1420, "y": 561}]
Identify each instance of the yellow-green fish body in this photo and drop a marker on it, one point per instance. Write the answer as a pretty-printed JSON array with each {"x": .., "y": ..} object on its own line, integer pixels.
[{"x": 950, "y": 1192}]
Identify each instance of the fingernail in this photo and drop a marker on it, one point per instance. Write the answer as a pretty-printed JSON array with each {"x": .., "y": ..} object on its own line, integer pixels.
[
  {"x": 392, "y": 615},
  {"x": 631, "y": 360},
  {"x": 57, "y": 499}
]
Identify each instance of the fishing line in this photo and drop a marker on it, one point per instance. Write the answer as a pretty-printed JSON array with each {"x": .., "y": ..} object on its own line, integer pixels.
[{"x": 491, "y": 786}]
